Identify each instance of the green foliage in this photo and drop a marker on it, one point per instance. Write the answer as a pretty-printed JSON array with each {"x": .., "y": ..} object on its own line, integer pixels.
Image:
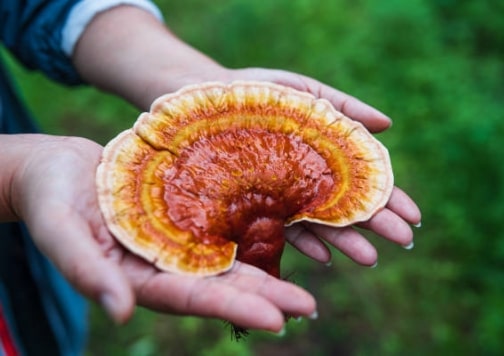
[{"x": 436, "y": 68}]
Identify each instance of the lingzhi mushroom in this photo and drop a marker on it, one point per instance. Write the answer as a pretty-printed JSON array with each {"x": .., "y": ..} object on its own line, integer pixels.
[{"x": 215, "y": 172}]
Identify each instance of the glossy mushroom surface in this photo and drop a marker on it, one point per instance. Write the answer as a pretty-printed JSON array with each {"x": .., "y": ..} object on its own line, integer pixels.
[{"x": 216, "y": 171}]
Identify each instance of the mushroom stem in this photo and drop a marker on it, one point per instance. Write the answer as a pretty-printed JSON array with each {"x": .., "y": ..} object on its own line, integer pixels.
[{"x": 262, "y": 244}]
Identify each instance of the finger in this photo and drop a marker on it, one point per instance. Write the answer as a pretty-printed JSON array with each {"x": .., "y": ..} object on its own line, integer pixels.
[
  {"x": 349, "y": 242},
  {"x": 239, "y": 298},
  {"x": 391, "y": 226},
  {"x": 374, "y": 120},
  {"x": 307, "y": 243},
  {"x": 208, "y": 298},
  {"x": 401, "y": 204},
  {"x": 299, "y": 302},
  {"x": 71, "y": 246}
]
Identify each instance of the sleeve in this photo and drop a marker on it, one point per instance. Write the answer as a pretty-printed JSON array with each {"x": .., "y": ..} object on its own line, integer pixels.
[
  {"x": 42, "y": 34},
  {"x": 83, "y": 12}
]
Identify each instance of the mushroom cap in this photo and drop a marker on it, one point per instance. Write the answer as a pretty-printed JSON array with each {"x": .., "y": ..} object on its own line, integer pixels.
[{"x": 211, "y": 162}]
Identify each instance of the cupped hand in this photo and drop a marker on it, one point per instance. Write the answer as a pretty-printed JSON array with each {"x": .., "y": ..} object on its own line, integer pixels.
[
  {"x": 393, "y": 222},
  {"x": 55, "y": 194}
]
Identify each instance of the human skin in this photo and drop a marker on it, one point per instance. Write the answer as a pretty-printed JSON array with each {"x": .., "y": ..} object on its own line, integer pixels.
[{"x": 48, "y": 182}]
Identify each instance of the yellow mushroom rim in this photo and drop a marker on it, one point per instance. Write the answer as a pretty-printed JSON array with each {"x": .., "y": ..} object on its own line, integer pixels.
[{"x": 213, "y": 166}]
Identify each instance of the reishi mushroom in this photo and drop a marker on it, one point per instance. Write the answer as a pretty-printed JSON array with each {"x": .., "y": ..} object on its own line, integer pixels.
[{"x": 215, "y": 172}]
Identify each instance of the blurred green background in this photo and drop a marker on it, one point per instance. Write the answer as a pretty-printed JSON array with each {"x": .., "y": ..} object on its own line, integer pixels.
[{"x": 436, "y": 67}]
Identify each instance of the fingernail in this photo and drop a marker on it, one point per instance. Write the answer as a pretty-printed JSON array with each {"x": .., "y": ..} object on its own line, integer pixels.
[
  {"x": 386, "y": 117},
  {"x": 409, "y": 246},
  {"x": 374, "y": 265},
  {"x": 313, "y": 316},
  {"x": 418, "y": 225},
  {"x": 282, "y": 332}
]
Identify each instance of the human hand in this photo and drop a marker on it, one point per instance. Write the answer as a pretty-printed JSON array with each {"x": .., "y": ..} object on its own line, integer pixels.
[
  {"x": 393, "y": 222},
  {"x": 53, "y": 191}
]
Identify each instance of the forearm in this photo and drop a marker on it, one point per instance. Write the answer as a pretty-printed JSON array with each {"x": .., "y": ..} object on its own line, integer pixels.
[{"x": 127, "y": 51}]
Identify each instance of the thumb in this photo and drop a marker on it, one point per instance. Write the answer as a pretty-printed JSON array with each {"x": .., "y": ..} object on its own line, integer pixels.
[{"x": 71, "y": 246}]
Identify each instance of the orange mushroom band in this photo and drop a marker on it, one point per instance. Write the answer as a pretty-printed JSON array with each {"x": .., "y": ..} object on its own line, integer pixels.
[{"x": 215, "y": 172}]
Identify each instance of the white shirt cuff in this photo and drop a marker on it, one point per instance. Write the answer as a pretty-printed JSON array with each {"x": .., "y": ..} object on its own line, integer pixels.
[{"x": 83, "y": 12}]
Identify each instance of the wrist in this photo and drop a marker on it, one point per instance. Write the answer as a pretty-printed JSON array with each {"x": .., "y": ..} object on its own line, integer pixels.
[
  {"x": 14, "y": 152},
  {"x": 170, "y": 80}
]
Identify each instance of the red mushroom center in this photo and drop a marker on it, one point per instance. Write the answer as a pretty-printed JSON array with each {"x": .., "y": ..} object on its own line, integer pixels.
[{"x": 247, "y": 191}]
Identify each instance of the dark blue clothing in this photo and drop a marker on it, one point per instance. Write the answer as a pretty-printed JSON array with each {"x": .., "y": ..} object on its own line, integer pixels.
[
  {"x": 44, "y": 314},
  {"x": 32, "y": 31}
]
